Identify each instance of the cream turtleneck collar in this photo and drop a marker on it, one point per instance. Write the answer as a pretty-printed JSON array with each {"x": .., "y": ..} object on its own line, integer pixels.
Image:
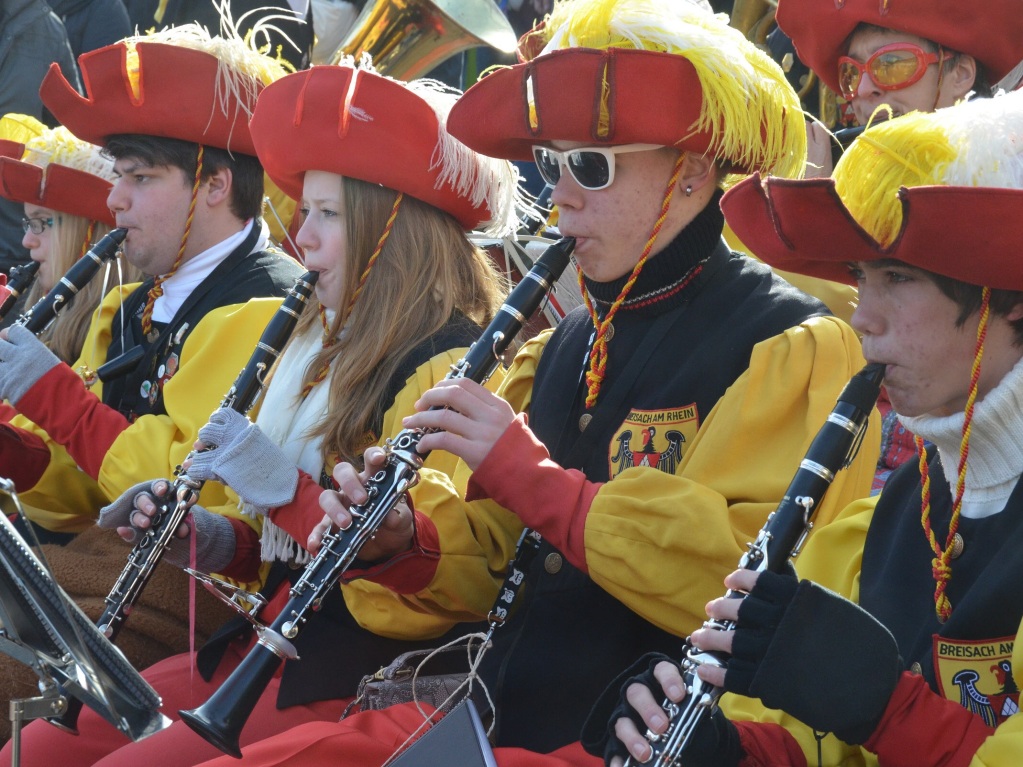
[{"x": 995, "y": 462}]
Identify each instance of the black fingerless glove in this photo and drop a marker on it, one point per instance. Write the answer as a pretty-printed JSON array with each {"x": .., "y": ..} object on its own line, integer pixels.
[
  {"x": 715, "y": 743},
  {"x": 811, "y": 653}
]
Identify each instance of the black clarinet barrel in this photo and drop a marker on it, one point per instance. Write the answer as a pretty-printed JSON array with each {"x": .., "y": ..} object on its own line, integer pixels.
[
  {"x": 525, "y": 298},
  {"x": 831, "y": 450},
  {"x": 19, "y": 280},
  {"x": 842, "y": 139},
  {"x": 77, "y": 277}
]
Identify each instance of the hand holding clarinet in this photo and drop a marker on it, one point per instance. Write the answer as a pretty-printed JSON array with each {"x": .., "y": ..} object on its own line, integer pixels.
[
  {"x": 457, "y": 415},
  {"x": 769, "y": 637}
]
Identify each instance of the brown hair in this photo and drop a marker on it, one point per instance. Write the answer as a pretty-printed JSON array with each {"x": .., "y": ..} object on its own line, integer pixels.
[
  {"x": 426, "y": 271},
  {"x": 246, "y": 171},
  {"x": 66, "y": 335},
  {"x": 968, "y": 298}
]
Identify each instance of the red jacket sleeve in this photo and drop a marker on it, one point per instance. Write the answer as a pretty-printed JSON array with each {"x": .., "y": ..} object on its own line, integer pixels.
[
  {"x": 908, "y": 733},
  {"x": 410, "y": 571},
  {"x": 23, "y": 455},
  {"x": 73, "y": 417},
  {"x": 245, "y": 565},
  {"x": 546, "y": 497}
]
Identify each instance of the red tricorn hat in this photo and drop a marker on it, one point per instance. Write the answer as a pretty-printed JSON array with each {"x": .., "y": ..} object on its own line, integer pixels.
[
  {"x": 804, "y": 227},
  {"x": 173, "y": 92},
  {"x": 991, "y": 32},
  {"x": 494, "y": 115},
  {"x": 942, "y": 191},
  {"x": 359, "y": 124},
  {"x": 56, "y": 186},
  {"x": 701, "y": 87}
]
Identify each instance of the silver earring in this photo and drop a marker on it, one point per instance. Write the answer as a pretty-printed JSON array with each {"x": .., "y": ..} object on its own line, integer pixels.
[{"x": 689, "y": 190}]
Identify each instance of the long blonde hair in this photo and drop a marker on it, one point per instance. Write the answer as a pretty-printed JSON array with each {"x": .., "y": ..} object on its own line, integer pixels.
[
  {"x": 66, "y": 335},
  {"x": 426, "y": 271}
]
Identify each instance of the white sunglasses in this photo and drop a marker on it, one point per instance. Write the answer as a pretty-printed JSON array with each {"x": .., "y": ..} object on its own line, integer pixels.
[{"x": 592, "y": 167}]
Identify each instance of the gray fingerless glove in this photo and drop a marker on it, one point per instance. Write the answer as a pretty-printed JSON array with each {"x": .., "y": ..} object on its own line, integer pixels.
[
  {"x": 215, "y": 540},
  {"x": 246, "y": 460},
  {"x": 119, "y": 511},
  {"x": 215, "y": 543},
  {"x": 24, "y": 359},
  {"x": 224, "y": 427}
]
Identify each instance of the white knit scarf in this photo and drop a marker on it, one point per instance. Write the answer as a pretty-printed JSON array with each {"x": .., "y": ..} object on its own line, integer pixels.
[
  {"x": 995, "y": 462},
  {"x": 287, "y": 420}
]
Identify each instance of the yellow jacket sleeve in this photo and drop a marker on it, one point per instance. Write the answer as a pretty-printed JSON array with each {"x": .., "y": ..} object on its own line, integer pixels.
[
  {"x": 66, "y": 499},
  {"x": 153, "y": 445},
  {"x": 662, "y": 543}
]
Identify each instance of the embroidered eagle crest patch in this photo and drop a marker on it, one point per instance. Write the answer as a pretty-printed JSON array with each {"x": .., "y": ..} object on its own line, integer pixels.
[
  {"x": 657, "y": 438},
  {"x": 978, "y": 674}
]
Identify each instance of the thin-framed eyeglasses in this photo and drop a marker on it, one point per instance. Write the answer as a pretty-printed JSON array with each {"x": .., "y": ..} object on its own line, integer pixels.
[
  {"x": 891, "y": 67},
  {"x": 36, "y": 225},
  {"x": 592, "y": 167}
]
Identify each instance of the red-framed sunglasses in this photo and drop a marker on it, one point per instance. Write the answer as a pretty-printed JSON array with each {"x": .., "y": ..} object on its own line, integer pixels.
[{"x": 891, "y": 67}]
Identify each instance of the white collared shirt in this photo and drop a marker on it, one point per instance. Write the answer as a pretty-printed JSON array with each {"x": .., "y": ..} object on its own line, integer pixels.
[{"x": 179, "y": 286}]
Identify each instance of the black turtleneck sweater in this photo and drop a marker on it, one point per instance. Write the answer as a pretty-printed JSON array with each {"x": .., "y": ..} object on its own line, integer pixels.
[{"x": 683, "y": 336}]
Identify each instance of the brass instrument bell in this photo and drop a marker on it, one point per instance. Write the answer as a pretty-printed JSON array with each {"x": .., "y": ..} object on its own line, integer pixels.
[{"x": 408, "y": 38}]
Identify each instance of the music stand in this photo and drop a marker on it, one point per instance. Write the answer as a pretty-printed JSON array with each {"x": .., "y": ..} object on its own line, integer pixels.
[{"x": 41, "y": 627}]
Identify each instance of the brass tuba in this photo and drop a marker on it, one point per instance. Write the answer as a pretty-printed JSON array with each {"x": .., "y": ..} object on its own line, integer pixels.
[
  {"x": 408, "y": 38},
  {"x": 754, "y": 18}
]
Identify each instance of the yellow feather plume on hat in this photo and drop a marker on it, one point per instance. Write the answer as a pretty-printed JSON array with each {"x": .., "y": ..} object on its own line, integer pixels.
[
  {"x": 54, "y": 145},
  {"x": 978, "y": 143},
  {"x": 751, "y": 110}
]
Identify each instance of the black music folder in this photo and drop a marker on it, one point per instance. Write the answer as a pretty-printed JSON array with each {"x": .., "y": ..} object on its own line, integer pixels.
[
  {"x": 459, "y": 738},
  {"x": 41, "y": 627}
]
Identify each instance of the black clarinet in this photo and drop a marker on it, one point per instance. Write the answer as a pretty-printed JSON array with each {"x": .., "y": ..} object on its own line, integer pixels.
[
  {"x": 221, "y": 718},
  {"x": 20, "y": 279},
  {"x": 781, "y": 538},
  {"x": 171, "y": 512},
  {"x": 43, "y": 312},
  {"x": 842, "y": 140}
]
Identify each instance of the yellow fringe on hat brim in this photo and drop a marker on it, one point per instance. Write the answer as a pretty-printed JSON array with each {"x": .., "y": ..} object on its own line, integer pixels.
[
  {"x": 749, "y": 108},
  {"x": 20, "y": 128}
]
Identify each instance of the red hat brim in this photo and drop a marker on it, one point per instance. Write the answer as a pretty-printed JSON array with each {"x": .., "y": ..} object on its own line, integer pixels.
[
  {"x": 65, "y": 190},
  {"x": 388, "y": 135},
  {"x": 493, "y": 117},
  {"x": 178, "y": 98},
  {"x": 804, "y": 227},
  {"x": 992, "y": 32}
]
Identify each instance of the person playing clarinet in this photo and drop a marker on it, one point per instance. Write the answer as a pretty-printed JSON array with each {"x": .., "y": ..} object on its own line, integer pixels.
[{"x": 897, "y": 645}]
